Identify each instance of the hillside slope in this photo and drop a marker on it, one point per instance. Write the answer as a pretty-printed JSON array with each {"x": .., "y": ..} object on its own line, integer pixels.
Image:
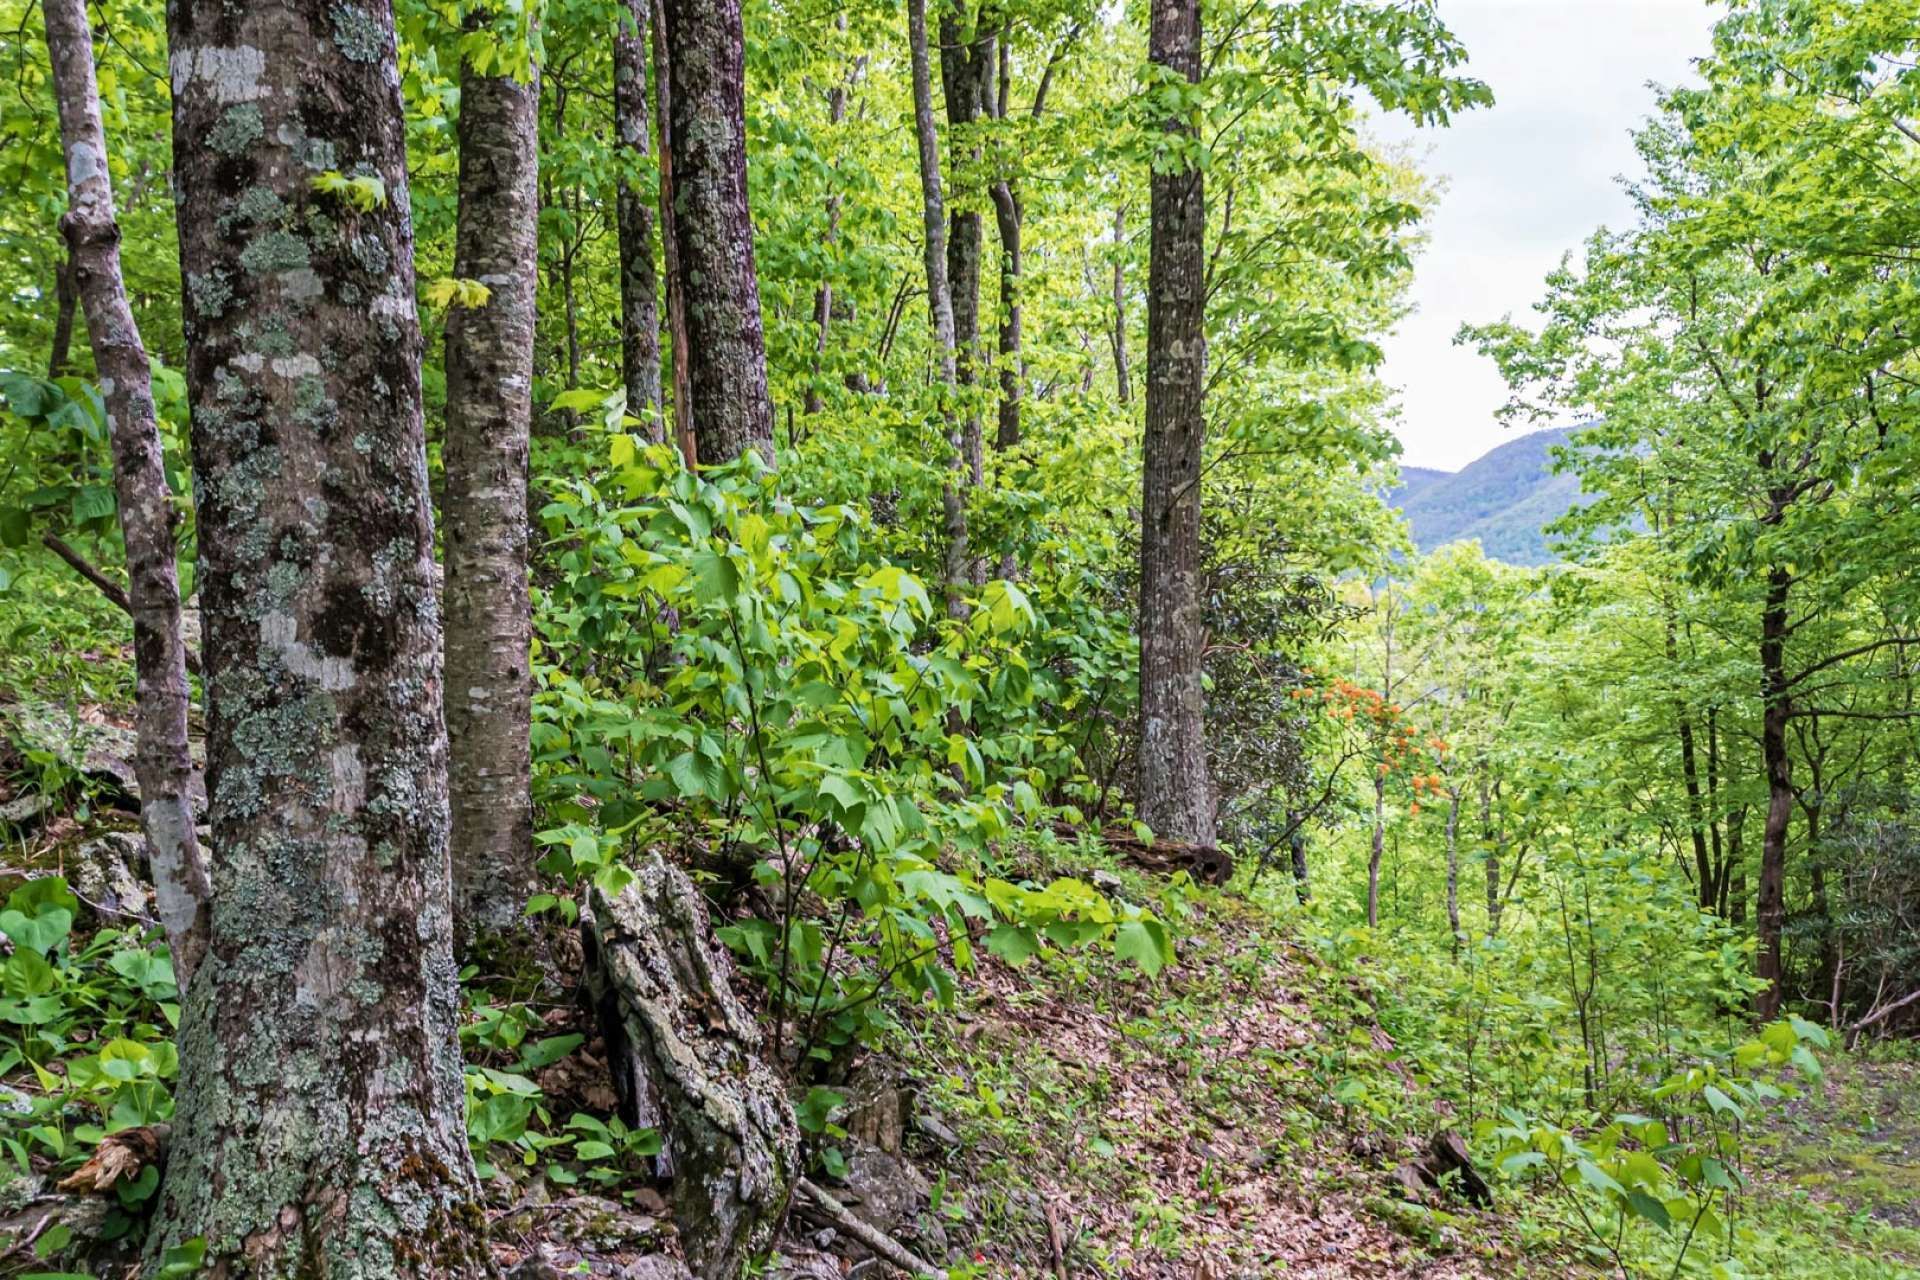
[{"x": 1505, "y": 498}]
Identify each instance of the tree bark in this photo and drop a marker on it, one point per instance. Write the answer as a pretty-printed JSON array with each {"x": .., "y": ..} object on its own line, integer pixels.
[
  {"x": 92, "y": 275},
  {"x": 1122, "y": 377},
  {"x": 966, "y": 71},
  {"x": 684, "y": 427},
  {"x": 706, "y": 115},
  {"x": 320, "y": 1128},
  {"x": 1377, "y": 851},
  {"x": 1770, "y": 915},
  {"x": 823, "y": 293},
  {"x": 639, "y": 290},
  {"x": 1453, "y": 868},
  {"x": 61, "y": 350},
  {"x": 489, "y": 627},
  {"x": 933, "y": 224},
  {"x": 1008, "y": 216},
  {"x": 1176, "y": 795}
]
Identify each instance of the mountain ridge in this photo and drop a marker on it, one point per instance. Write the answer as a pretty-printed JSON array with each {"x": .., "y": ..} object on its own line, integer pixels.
[{"x": 1505, "y": 498}]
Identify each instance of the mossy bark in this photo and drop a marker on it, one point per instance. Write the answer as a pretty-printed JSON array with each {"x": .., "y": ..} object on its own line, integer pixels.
[
  {"x": 162, "y": 762},
  {"x": 319, "y": 1126},
  {"x": 489, "y": 625}
]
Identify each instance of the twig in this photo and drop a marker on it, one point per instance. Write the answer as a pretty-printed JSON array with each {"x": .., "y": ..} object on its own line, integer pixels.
[
  {"x": 108, "y": 587},
  {"x": 1054, "y": 1242},
  {"x": 881, "y": 1243},
  {"x": 112, "y": 590}
]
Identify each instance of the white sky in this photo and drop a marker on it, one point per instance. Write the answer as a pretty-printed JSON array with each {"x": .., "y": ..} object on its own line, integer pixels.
[{"x": 1526, "y": 181}]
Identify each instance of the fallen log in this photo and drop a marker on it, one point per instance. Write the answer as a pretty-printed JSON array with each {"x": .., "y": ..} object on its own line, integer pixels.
[
  {"x": 685, "y": 1059},
  {"x": 1205, "y": 863}
]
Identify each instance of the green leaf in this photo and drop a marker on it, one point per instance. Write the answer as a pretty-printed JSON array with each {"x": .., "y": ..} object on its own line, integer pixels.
[
  {"x": 1014, "y": 943},
  {"x": 1650, "y": 1209},
  {"x": 1145, "y": 943}
]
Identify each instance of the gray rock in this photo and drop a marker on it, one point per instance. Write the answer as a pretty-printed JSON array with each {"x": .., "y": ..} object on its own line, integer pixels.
[
  {"x": 882, "y": 1190},
  {"x": 24, "y": 813},
  {"x": 932, "y": 1127},
  {"x": 104, "y": 873},
  {"x": 656, "y": 1266}
]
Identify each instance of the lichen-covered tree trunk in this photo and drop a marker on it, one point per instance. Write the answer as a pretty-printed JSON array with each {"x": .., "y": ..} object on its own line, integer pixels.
[
  {"x": 639, "y": 289},
  {"x": 726, "y": 349},
  {"x": 933, "y": 225},
  {"x": 685, "y": 1060},
  {"x": 966, "y": 65},
  {"x": 489, "y": 687},
  {"x": 319, "y": 1127},
  {"x": 92, "y": 273},
  {"x": 684, "y": 430},
  {"x": 1176, "y": 795}
]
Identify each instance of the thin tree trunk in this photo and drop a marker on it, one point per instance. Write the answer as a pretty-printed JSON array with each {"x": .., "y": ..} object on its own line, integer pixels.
[
  {"x": 489, "y": 627},
  {"x": 683, "y": 423},
  {"x": 61, "y": 351},
  {"x": 92, "y": 274},
  {"x": 966, "y": 66},
  {"x": 1453, "y": 869},
  {"x": 1494, "y": 841},
  {"x": 823, "y": 294},
  {"x": 320, "y": 1127},
  {"x": 639, "y": 290},
  {"x": 1008, "y": 216},
  {"x": 1176, "y": 795},
  {"x": 933, "y": 220},
  {"x": 1122, "y": 378},
  {"x": 706, "y": 118},
  {"x": 1379, "y": 848},
  {"x": 1771, "y": 914}
]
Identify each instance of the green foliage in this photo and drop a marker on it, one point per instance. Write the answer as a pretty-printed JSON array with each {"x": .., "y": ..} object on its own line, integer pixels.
[
  {"x": 720, "y": 665},
  {"x": 89, "y": 1021}
]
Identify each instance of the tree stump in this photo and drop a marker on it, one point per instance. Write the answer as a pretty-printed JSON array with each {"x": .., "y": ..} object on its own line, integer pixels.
[{"x": 685, "y": 1061}]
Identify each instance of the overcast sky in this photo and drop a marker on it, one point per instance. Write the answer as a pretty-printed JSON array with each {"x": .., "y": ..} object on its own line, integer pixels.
[{"x": 1527, "y": 180}]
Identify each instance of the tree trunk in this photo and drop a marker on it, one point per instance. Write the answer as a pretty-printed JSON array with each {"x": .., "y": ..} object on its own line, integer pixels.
[
  {"x": 683, "y": 423},
  {"x": 726, "y": 350},
  {"x": 61, "y": 349},
  {"x": 1297, "y": 846},
  {"x": 1008, "y": 215},
  {"x": 1122, "y": 379},
  {"x": 685, "y": 1061},
  {"x": 1495, "y": 842},
  {"x": 1176, "y": 796},
  {"x": 489, "y": 628},
  {"x": 92, "y": 273},
  {"x": 1453, "y": 868},
  {"x": 933, "y": 222},
  {"x": 1379, "y": 848},
  {"x": 823, "y": 293},
  {"x": 320, "y": 1127},
  {"x": 1771, "y": 913},
  {"x": 966, "y": 66},
  {"x": 639, "y": 305}
]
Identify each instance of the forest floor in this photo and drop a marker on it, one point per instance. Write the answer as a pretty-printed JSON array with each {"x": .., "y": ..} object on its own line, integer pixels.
[
  {"x": 1076, "y": 1119},
  {"x": 1180, "y": 1128}
]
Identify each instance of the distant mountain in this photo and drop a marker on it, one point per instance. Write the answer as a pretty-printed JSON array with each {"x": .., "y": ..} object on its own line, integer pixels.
[{"x": 1505, "y": 498}]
